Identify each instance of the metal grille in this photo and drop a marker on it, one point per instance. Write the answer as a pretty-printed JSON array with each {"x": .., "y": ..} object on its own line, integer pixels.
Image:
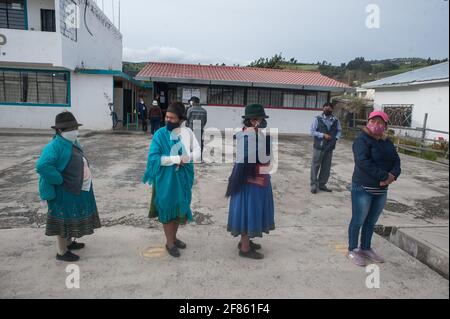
[{"x": 399, "y": 114}]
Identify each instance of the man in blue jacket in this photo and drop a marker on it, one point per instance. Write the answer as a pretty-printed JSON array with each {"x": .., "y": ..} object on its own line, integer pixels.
[{"x": 326, "y": 130}]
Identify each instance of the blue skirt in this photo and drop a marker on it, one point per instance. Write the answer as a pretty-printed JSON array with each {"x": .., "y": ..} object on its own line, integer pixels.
[
  {"x": 71, "y": 215},
  {"x": 251, "y": 211}
]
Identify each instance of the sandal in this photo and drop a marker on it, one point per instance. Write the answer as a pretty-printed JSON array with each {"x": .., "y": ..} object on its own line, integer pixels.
[
  {"x": 174, "y": 252},
  {"x": 251, "y": 254},
  {"x": 179, "y": 244},
  {"x": 253, "y": 246}
]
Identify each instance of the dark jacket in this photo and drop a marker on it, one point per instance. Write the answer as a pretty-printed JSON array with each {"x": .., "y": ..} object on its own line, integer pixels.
[{"x": 374, "y": 160}]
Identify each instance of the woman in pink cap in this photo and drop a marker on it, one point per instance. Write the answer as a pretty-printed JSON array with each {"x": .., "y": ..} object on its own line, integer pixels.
[{"x": 377, "y": 165}]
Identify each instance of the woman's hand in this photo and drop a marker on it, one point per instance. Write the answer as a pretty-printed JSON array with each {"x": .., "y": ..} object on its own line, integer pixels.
[{"x": 389, "y": 181}]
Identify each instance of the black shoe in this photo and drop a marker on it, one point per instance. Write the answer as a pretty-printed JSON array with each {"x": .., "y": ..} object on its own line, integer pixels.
[
  {"x": 325, "y": 189},
  {"x": 253, "y": 246},
  {"x": 68, "y": 257},
  {"x": 76, "y": 246},
  {"x": 313, "y": 190},
  {"x": 179, "y": 244},
  {"x": 174, "y": 252},
  {"x": 251, "y": 254}
]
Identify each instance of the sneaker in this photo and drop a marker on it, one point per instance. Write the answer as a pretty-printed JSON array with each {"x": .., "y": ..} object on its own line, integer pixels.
[
  {"x": 179, "y": 244},
  {"x": 356, "y": 258},
  {"x": 370, "y": 254},
  {"x": 253, "y": 246},
  {"x": 174, "y": 252},
  {"x": 76, "y": 246},
  {"x": 68, "y": 257},
  {"x": 251, "y": 254}
]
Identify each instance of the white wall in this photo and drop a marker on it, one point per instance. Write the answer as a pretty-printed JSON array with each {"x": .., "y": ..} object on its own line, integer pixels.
[
  {"x": 287, "y": 121},
  {"x": 34, "y": 12},
  {"x": 101, "y": 50},
  {"x": 31, "y": 47},
  {"x": 432, "y": 99},
  {"x": 90, "y": 95}
]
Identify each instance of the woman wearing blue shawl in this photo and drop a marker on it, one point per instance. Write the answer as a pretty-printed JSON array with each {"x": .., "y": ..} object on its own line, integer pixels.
[
  {"x": 170, "y": 171},
  {"x": 251, "y": 211}
]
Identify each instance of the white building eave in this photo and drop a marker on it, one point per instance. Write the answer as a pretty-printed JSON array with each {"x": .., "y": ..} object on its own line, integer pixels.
[{"x": 409, "y": 84}]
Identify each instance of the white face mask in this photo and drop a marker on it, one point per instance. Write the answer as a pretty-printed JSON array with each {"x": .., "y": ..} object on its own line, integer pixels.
[
  {"x": 191, "y": 103},
  {"x": 71, "y": 135}
]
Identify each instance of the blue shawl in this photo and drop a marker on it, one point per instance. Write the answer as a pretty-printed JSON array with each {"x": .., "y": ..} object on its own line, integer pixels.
[{"x": 173, "y": 184}]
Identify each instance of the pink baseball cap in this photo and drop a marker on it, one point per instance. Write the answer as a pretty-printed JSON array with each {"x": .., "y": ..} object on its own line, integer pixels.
[{"x": 381, "y": 114}]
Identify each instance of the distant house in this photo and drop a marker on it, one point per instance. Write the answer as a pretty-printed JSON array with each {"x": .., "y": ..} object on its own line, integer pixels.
[
  {"x": 291, "y": 98},
  {"x": 409, "y": 96}
]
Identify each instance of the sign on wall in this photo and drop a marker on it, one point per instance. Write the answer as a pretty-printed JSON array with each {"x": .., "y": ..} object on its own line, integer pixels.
[{"x": 189, "y": 93}]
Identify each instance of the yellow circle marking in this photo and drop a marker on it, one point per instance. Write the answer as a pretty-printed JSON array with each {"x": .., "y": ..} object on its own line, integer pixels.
[{"x": 153, "y": 252}]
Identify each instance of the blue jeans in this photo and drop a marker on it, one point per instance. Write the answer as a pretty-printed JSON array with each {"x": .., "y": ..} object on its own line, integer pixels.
[{"x": 366, "y": 209}]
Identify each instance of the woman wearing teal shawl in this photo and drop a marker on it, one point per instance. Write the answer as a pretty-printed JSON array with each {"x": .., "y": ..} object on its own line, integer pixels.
[{"x": 170, "y": 171}]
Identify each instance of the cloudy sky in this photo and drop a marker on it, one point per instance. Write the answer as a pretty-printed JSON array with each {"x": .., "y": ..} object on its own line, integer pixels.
[{"x": 239, "y": 31}]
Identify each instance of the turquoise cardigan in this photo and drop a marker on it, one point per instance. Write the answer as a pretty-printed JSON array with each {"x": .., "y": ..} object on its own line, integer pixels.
[{"x": 54, "y": 159}]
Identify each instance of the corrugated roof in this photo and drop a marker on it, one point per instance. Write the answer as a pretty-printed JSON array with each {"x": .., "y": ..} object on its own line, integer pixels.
[
  {"x": 438, "y": 72},
  {"x": 156, "y": 71}
]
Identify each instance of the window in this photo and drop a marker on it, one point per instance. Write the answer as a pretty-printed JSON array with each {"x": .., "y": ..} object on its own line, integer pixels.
[
  {"x": 252, "y": 96},
  {"x": 322, "y": 98},
  {"x": 12, "y": 14},
  {"x": 399, "y": 114},
  {"x": 264, "y": 97},
  {"x": 238, "y": 98},
  {"x": 215, "y": 95},
  {"x": 311, "y": 101},
  {"x": 48, "y": 20},
  {"x": 299, "y": 101},
  {"x": 34, "y": 87},
  {"x": 276, "y": 98},
  {"x": 226, "y": 95}
]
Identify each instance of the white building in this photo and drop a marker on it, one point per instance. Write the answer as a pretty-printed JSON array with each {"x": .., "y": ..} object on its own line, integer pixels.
[
  {"x": 291, "y": 98},
  {"x": 58, "y": 55},
  {"x": 409, "y": 96}
]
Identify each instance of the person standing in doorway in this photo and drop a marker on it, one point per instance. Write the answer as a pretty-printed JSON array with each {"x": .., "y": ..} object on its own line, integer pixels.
[
  {"x": 142, "y": 109},
  {"x": 197, "y": 117},
  {"x": 170, "y": 171},
  {"x": 155, "y": 116},
  {"x": 326, "y": 130},
  {"x": 65, "y": 186}
]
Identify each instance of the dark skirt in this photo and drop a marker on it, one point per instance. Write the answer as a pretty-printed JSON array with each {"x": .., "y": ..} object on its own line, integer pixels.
[
  {"x": 251, "y": 211},
  {"x": 181, "y": 218},
  {"x": 71, "y": 215}
]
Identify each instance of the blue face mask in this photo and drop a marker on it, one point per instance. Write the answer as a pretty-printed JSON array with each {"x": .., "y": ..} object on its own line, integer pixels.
[{"x": 172, "y": 126}]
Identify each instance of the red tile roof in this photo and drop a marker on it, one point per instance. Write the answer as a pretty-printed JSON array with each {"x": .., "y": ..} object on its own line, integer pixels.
[{"x": 157, "y": 70}]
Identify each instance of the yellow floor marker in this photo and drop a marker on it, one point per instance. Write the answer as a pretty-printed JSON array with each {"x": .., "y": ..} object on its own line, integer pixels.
[{"x": 153, "y": 252}]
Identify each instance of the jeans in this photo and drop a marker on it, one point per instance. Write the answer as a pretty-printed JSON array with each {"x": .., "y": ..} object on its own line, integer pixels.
[
  {"x": 321, "y": 161},
  {"x": 366, "y": 209}
]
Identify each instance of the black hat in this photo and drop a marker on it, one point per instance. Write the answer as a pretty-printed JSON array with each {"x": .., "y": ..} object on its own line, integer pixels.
[
  {"x": 179, "y": 109},
  {"x": 195, "y": 100},
  {"x": 66, "y": 120},
  {"x": 253, "y": 111}
]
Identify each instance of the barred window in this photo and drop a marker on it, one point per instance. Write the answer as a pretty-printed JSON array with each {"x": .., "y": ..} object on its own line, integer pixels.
[
  {"x": 34, "y": 87},
  {"x": 12, "y": 14},
  {"x": 215, "y": 95},
  {"x": 322, "y": 98},
  {"x": 252, "y": 96},
  {"x": 311, "y": 101},
  {"x": 226, "y": 95},
  {"x": 238, "y": 98}
]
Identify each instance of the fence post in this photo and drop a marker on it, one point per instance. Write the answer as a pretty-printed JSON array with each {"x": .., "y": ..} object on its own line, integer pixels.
[{"x": 424, "y": 134}]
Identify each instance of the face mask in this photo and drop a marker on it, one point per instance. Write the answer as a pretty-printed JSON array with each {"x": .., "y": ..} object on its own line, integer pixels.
[
  {"x": 376, "y": 129},
  {"x": 263, "y": 124},
  {"x": 71, "y": 136},
  {"x": 172, "y": 126},
  {"x": 191, "y": 103}
]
